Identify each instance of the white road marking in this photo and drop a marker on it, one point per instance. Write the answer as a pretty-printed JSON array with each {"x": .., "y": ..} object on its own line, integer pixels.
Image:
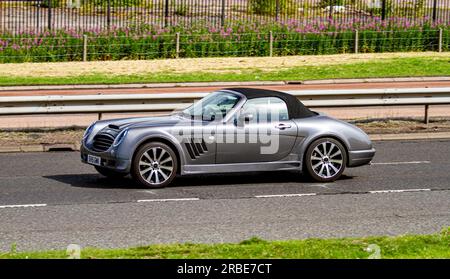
[
  {"x": 399, "y": 191},
  {"x": 320, "y": 185},
  {"x": 23, "y": 205},
  {"x": 147, "y": 192},
  {"x": 402, "y": 163},
  {"x": 166, "y": 200},
  {"x": 285, "y": 195}
]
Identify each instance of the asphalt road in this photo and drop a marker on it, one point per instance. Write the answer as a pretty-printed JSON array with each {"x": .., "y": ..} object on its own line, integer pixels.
[{"x": 62, "y": 201}]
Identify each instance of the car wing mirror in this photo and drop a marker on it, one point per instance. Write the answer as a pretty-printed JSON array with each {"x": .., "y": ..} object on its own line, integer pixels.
[{"x": 208, "y": 117}]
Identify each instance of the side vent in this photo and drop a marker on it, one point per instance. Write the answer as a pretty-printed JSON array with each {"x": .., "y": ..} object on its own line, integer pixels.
[
  {"x": 196, "y": 148},
  {"x": 114, "y": 127}
]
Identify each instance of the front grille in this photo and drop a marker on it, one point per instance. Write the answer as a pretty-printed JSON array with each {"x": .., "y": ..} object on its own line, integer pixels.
[
  {"x": 105, "y": 138},
  {"x": 102, "y": 142}
]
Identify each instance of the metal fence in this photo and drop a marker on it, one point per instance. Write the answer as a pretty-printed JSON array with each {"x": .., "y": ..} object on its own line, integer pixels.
[
  {"x": 37, "y": 15},
  {"x": 180, "y": 45},
  {"x": 164, "y": 102}
]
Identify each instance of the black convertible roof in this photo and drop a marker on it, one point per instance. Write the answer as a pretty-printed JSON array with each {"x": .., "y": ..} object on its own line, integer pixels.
[{"x": 296, "y": 109}]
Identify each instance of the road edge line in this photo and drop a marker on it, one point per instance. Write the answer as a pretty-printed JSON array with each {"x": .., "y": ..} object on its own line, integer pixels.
[
  {"x": 168, "y": 200},
  {"x": 22, "y": 205},
  {"x": 399, "y": 191}
]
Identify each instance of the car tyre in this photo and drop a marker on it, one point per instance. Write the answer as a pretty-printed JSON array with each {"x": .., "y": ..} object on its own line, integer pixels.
[
  {"x": 154, "y": 165},
  {"x": 325, "y": 160}
]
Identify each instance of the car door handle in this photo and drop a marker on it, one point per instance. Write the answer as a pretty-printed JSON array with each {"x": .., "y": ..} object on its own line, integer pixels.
[{"x": 283, "y": 126}]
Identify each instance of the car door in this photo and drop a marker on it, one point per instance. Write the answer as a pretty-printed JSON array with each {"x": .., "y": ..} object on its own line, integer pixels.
[
  {"x": 261, "y": 131},
  {"x": 197, "y": 135}
]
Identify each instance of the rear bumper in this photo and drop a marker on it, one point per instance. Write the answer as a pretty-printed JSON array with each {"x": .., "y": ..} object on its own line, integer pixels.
[
  {"x": 109, "y": 159},
  {"x": 360, "y": 157}
]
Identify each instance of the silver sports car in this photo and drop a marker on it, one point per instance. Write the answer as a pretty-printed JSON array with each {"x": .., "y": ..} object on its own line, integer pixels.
[{"x": 231, "y": 130}]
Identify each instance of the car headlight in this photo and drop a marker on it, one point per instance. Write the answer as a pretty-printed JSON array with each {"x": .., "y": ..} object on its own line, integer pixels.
[
  {"x": 120, "y": 137},
  {"x": 88, "y": 131}
]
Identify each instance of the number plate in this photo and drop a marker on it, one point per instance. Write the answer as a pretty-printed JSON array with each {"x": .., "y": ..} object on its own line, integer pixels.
[{"x": 94, "y": 160}]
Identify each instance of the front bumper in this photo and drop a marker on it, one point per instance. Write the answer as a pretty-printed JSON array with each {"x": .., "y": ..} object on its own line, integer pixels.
[
  {"x": 360, "y": 157},
  {"x": 108, "y": 159}
]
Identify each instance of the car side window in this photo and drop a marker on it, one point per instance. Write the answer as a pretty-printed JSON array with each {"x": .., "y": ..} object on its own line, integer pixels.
[{"x": 266, "y": 109}]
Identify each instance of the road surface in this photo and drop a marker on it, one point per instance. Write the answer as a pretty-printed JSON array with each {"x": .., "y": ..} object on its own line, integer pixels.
[{"x": 49, "y": 200}]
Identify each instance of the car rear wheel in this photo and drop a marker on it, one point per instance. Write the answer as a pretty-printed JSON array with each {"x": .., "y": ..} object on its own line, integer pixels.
[
  {"x": 109, "y": 173},
  {"x": 325, "y": 160},
  {"x": 154, "y": 165}
]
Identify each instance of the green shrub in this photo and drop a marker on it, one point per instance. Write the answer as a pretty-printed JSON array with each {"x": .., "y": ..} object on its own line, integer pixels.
[
  {"x": 238, "y": 39},
  {"x": 326, "y": 3},
  {"x": 377, "y": 10},
  {"x": 54, "y": 3},
  {"x": 116, "y": 3},
  {"x": 411, "y": 8},
  {"x": 269, "y": 7},
  {"x": 182, "y": 10}
]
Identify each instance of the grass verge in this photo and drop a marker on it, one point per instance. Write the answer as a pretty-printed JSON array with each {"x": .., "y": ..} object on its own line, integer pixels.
[
  {"x": 409, "y": 246},
  {"x": 395, "y": 67}
]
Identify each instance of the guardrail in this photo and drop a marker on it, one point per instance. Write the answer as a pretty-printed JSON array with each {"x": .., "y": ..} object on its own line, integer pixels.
[{"x": 121, "y": 103}]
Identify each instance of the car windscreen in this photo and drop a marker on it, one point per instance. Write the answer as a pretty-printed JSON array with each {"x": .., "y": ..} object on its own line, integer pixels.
[{"x": 215, "y": 106}]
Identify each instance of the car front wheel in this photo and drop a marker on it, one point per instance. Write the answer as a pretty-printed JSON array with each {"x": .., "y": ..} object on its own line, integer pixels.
[
  {"x": 325, "y": 160},
  {"x": 154, "y": 165}
]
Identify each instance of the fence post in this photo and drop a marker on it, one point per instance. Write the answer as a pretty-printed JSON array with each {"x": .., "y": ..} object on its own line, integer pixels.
[
  {"x": 166, "y": 13},
  {"x": 108, "y": 14},
  {"x": 441, "y": 38},
  {"x": 38, "y": 14},
  {"x": 270, "y": 43},
  {"x": 49, "y": 16},
  {"x": 427, "y": 117},
  {"x": 356, "y": 41},
  {"x": 85, "y": 39},
  {"x": 222, "y": 16},
  {"x": 383, "y": 9},
  {"x": 178, "y": 45},
  {"x": 434, "y": 10},
  {"x": 330, "y": 14}
]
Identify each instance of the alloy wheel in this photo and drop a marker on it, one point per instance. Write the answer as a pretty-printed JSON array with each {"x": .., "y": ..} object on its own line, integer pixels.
[
  {"x": 327, "y": 159},
  {"x": 156, "y": 165}
]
